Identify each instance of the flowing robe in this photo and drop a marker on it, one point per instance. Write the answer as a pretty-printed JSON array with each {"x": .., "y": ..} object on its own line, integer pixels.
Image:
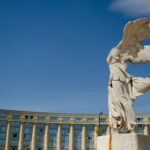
[{"x": 123, "y": 89}]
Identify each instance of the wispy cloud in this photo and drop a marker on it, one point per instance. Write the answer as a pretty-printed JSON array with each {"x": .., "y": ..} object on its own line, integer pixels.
[{"x": 132, "y": 7}]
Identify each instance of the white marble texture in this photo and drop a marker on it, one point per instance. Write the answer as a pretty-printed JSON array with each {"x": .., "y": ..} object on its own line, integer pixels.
[{"x": 124, "y": 142}]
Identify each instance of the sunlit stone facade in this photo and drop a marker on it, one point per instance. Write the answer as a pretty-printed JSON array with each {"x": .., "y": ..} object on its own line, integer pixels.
[{"x": 20, "y": 130}]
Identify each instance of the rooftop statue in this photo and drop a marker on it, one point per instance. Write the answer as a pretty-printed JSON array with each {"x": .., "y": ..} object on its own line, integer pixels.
[{"x": 123, "y": 87}]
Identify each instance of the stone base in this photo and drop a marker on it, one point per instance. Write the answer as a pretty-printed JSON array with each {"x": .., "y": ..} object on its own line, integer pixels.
[{"x": 129, "y": 141}]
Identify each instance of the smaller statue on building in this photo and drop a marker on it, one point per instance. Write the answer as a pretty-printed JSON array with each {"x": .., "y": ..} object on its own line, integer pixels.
[{"x": 123, "y": 87}]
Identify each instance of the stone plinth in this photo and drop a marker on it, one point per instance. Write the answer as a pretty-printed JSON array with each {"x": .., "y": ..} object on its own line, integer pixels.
[{"x": 129, "y": 141}]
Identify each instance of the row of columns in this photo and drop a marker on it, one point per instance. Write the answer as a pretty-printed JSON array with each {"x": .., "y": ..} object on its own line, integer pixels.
[
  {"x": 59, "y": 136},
  {"x": 71, "y": 137},
  {"x": 46, "y": 137}
]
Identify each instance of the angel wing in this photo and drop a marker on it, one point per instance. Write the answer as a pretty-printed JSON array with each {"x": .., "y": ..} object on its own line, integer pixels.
[
  {"x": 134, "y": 33},
  {"x": 143, "y": 56}
]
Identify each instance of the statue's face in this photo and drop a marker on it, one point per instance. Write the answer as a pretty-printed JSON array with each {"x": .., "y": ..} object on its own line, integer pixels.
[{"x": 115, "y": 54}]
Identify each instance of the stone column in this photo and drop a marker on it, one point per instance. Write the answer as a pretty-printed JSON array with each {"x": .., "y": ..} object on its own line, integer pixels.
[
  {"x": 95, "y": 137},
  {"x": 59, "y": 136},
  {"x": 33, "y": 141},
  {"x": 146, "y": 130},
  {"x": 46, "y": 137},
  {"x": 21, "y": 136},
  {"x": 108, "y": 130},
  {"x": 71, "y": 137},
  {"x": 84, "y": 137},
  {"x": 8, "y": 135}
]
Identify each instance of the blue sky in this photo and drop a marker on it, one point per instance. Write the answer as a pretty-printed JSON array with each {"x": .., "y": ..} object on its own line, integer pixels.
[{"x": 53, "y": 53}]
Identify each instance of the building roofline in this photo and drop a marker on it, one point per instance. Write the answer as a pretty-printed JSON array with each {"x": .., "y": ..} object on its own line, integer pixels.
[{"x": 58, "y": 114}]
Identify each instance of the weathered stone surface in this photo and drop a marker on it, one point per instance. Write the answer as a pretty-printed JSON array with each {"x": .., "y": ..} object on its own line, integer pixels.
[
  {"x": 124, "y": 142},
  {"x": 123, "y": 87}
]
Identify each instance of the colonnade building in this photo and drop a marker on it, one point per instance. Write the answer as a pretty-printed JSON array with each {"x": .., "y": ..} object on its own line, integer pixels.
[{"x": 20, "y": 130}]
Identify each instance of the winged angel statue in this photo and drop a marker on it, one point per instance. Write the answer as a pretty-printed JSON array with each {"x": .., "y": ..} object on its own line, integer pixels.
[{"x": 123, "y": 87}]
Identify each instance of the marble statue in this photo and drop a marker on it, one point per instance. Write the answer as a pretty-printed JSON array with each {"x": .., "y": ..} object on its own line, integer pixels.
[{"x": 123, "y": 87}]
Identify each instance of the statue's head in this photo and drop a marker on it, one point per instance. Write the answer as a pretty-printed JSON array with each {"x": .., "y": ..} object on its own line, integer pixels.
[{"x": 114, "y": 56}]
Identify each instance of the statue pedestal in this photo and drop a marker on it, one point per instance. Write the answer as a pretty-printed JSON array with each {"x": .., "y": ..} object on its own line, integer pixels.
[{"x": 129, "y": 141}]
